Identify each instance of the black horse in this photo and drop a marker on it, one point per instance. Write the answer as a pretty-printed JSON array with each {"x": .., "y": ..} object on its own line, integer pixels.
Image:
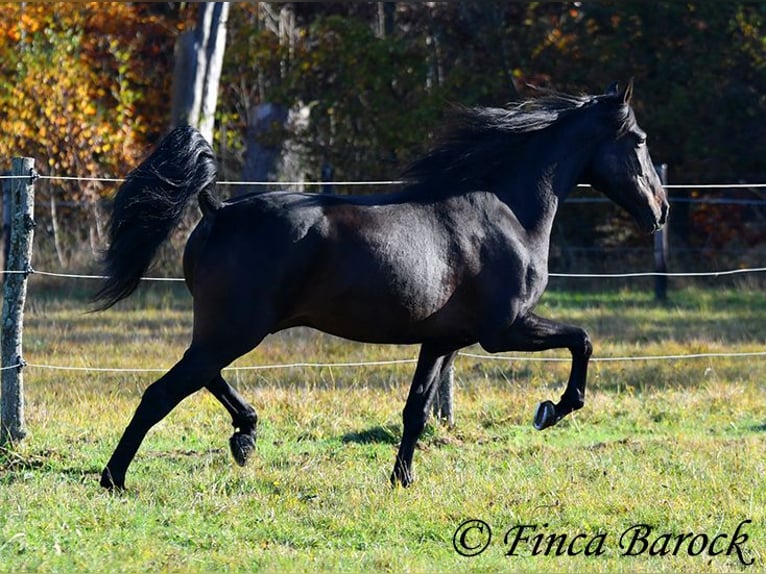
[{"x": 458, "y": 256}]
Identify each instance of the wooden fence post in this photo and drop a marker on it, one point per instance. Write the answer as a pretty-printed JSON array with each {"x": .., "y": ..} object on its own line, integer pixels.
[
  {"x": 661, "y": 248},
  {"x": 444, "y": 400},
  {"x": 6, "y": 218},
  {"x": 17, "y": 267}
]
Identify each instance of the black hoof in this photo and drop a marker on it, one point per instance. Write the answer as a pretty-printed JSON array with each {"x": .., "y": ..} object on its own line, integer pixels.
[
  {"x": 545, "y": 415},
  {"x": 401, "y": 477},
  {"x": 110, "y": 482},
  {"x": 242, "y": 446}
]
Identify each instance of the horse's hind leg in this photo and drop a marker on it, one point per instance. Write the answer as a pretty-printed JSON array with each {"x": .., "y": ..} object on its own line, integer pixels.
[
  {"x": 243, "y": 418},
  {"x": 431, "y": 365},
  {"x": 191, "y": 373}
]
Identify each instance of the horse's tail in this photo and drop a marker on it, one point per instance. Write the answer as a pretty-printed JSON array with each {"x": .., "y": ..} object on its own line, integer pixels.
[{"x": 150, "y": 203}]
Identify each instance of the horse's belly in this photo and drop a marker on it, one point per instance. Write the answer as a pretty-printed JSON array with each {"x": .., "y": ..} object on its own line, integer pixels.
[
  {"x": 377, "y": 329},
  {"x": 394, "y": 310}
]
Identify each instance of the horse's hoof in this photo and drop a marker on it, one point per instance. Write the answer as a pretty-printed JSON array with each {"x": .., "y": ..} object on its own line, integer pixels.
[
  {"x": 109, "y": 482},
  {"x": 242, "y": 446},
  {"x": 545, "y": 415},
  {"x": 401, "y": 477}
]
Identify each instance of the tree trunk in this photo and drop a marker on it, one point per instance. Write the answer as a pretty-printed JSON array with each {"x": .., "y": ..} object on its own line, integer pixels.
[
  {"x": 183, "y": 80},
  {"x": 199, "y": 59},
  {"x": 57, "y": 233},
  {"x": 214, "y": 57}
]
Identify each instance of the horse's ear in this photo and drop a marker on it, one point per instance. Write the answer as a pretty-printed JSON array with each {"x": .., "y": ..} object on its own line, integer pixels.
[
  {"x": 627, "y": 93},
  {"x": 612, "y": 89}
]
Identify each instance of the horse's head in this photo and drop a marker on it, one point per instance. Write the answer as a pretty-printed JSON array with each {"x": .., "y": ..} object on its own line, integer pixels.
[{"x": 621, "y": 167}]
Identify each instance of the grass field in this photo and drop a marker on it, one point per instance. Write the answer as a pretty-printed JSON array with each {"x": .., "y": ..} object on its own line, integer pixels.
[{"x": 678, "y": 446}]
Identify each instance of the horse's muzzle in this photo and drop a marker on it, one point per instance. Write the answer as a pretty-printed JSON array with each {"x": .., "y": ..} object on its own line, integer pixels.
[
  {"x": 661, "y": 211},
  {"x": 664, "y": 212}
]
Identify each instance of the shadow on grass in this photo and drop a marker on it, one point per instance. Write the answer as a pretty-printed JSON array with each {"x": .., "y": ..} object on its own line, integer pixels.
[
  {"x": 12, "y": 461},
  {"x": 378, "y": 434},
  {"x": 15, "y": 467}
]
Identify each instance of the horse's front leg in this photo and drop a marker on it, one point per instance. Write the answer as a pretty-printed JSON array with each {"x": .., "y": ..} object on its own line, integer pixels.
[{"x": 532, "y": 333}]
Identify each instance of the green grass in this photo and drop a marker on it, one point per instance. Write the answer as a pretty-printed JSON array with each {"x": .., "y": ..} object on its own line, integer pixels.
[{"x": 678, "y": 445}]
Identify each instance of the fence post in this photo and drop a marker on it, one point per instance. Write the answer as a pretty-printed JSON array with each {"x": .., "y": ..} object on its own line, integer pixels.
[
  {"x": 327, "y": 177},
  {"x": 17, "y": 267},
  {"x": 444, "y": 399},
  {"x": 6, "y": 217},
  {"x": 661, "y": 248}
]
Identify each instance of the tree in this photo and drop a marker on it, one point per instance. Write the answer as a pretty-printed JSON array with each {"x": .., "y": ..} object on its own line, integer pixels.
[{"x": 199, "y": 59}]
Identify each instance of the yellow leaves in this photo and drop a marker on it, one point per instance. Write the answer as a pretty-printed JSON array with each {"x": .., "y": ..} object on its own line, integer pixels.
[
  {"x": 29, "y": 23},
  {"x": 102, "y": 148}
]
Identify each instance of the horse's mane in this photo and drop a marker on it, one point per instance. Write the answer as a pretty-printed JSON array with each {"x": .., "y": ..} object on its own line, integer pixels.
[{"x": 481, "y": 140}]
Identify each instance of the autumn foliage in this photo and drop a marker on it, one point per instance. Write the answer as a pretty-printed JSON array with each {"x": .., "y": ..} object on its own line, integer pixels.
[{"x": 83, "y": 87}]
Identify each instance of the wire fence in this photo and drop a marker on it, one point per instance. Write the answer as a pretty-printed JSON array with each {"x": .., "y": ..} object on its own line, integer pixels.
[
  {"x": 738, "y": 185},
  {"x": 722, "y": 273},
  {"x": 412, "y": 361},
  {"x": 475, "y": 356}
]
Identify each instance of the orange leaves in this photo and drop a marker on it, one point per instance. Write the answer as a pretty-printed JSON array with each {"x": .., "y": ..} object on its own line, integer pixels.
[
  {"x": 29, "y": 23},
  {"x": 21, "y": 20}
]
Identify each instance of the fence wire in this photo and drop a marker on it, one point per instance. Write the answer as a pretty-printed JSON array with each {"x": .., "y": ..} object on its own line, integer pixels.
[
  {"x": 476, "y": 356},
  {"x": 739, "y": 185},
  {"x": 391, "y": 362},
  {"x": 629, "y": 275}
]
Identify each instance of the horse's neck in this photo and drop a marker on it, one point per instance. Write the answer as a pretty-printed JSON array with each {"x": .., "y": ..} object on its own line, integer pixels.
[{"x": 550, "y": 171}]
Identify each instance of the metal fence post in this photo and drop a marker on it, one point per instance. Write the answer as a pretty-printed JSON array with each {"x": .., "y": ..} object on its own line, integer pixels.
[{"x": 17, "y": 267}]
